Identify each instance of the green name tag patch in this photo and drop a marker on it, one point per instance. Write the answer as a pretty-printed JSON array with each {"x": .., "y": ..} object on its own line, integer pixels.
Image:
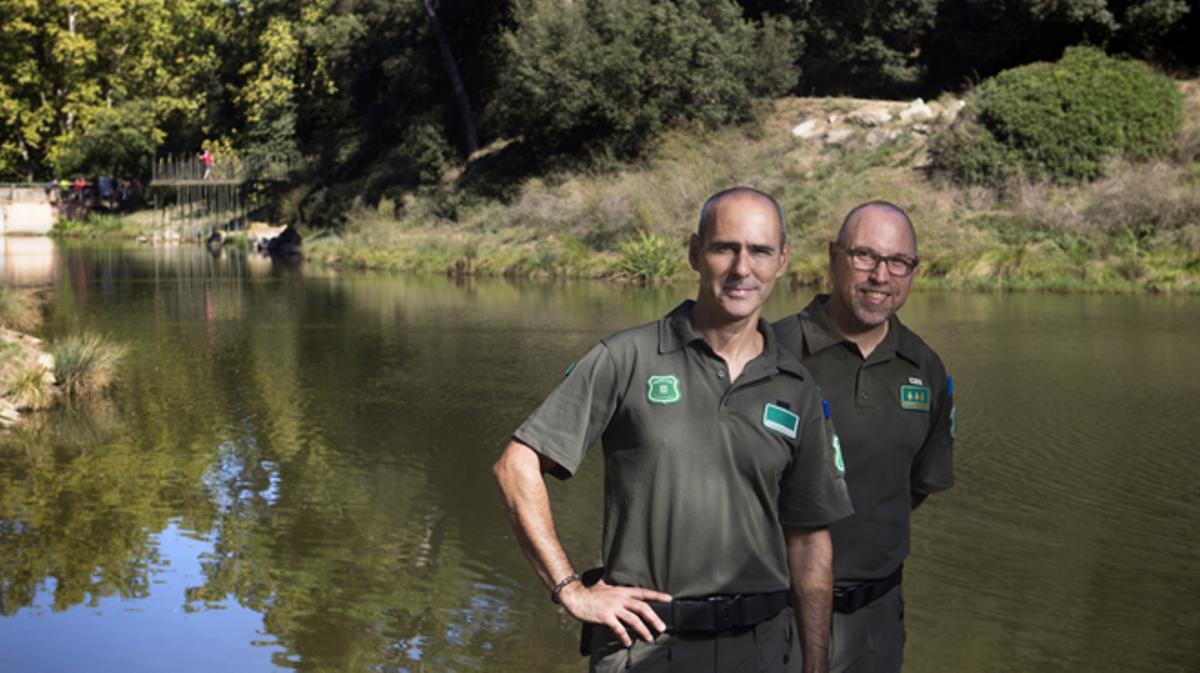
[
  {"x": 915, "y": 398},
  {"x": 780, "y": 420},
  {"x": 663, "y": 389}
]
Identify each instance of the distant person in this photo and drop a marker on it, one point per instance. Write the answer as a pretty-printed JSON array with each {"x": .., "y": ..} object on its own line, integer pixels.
[
  {"x": 893, "y": 406},
  {"x": 719, "y": 476},
  {"x": 206, "y": 159}
]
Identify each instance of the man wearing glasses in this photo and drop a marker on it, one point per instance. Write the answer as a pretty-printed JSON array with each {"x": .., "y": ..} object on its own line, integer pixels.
[{"x": 893, "y": 407}]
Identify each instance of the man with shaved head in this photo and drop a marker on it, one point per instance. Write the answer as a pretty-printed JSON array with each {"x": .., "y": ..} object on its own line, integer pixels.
[
  {"x": 893, "y": 407},
  {"x": 720, "y": 475}
]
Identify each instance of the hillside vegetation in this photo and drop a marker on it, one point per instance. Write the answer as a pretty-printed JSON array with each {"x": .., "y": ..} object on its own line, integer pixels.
[{"x": 1138, "y": 229}]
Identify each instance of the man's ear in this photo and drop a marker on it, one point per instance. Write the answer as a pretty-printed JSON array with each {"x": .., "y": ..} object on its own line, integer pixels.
[
  {"x": 694, "y": 252},
  {"x": 784, "y": 256}
]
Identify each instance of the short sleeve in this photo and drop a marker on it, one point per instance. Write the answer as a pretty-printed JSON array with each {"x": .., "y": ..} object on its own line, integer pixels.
[
  {"x": 813, "y": 493},
  {"x": 575, "y": 414},
  {"x": 933, "y": 466}
]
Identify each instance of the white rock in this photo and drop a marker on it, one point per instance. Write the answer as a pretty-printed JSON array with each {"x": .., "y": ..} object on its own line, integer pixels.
[
  {"x": 877, "y": 137},
  {"x": 917, "y": 111},
  {"x": 808, "y": 129},
  {"x": 870, "y": 116},
  {"x": 838, "y": 136}
]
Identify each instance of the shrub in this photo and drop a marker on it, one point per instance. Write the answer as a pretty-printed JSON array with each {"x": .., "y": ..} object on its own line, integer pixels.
[
  {"x": 649, "y": 257},
  {"x": 86, "y": 364},
  {"x": 1060, "y": 121}
]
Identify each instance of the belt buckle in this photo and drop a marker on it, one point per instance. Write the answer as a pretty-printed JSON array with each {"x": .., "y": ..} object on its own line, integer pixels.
[{"x": 724, "y": 611}]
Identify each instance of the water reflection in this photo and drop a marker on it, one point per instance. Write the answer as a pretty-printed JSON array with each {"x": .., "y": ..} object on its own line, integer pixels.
[
  {"x": 314, "y": 450},
  {"x": 27, "y": 260}
]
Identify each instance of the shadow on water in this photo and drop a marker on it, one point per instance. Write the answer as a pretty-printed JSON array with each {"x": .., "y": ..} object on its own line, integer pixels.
[{"x": 293, "y": 473}]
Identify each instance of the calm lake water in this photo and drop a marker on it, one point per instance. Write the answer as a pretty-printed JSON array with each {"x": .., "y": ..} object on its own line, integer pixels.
[{"x": 294, "y": 473}]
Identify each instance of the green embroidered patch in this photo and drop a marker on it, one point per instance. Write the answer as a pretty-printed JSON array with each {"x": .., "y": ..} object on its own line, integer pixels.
[
  {"x": 663, "y": 389},
  {"x": 837, "y": 455},
  {"x": 780, "y": 420},
  {"x": 915, "y": 398}
]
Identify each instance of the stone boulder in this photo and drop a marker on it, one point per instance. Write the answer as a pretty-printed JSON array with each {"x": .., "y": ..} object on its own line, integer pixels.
[
  {"x": 838, "y": 136},
  {"x": 869, "y": 116},
  {"x": 917, "y": 111},
  {"x": 808, "y": 129}
]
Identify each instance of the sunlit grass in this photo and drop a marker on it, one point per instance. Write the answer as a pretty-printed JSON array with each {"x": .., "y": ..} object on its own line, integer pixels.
[
  {"x": 19, "y": 309},
  {"x": 86, "y": 364},
  {"x": 29, "y": 389}
]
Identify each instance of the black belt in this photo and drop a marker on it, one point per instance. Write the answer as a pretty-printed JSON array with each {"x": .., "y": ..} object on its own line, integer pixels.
[
  {"x": 699, "y": 615},
  {"x": 719, "y": 613},
  {"x": 847, "y": 600}
]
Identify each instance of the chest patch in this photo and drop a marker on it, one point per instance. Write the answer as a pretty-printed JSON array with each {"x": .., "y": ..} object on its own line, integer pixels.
[
  {"x": 780, "y": 420},
  {"x": 914, "y": 398},
  {"x": 663, "y": 389}
]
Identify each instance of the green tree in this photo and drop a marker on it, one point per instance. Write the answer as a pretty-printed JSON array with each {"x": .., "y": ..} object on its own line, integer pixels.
[
  {"x": 864, "y": 47},
  {"x": 973, "y": 39},
  {"x": 607, "y": 77},
  {"x": 78, "y": 78}
]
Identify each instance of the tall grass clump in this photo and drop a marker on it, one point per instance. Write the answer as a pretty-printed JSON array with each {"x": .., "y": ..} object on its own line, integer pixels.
[
  {"x": 1060, "y": 121},
  {"x": 86, "y": 364},
  {"x": 649, "y": 258},
  {"x": 30, "y": 390},
  {"x": 18, "y": 310}
]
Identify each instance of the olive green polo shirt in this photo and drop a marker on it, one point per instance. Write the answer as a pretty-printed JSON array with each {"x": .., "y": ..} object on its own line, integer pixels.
[
  {"x": 700, "y": 473},
  {"x": 895, "y": 417}
]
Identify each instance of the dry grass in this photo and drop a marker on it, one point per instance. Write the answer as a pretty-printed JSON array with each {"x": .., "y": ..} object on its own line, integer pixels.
[
  {"x": 19, "y": 309},
  {"x": 86, "y": 364},
  {"x": 29, "y": 390},
  {"x": 1030, "y": 236}
]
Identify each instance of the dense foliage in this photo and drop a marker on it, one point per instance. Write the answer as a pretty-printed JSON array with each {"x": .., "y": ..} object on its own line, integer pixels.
[
  {"x": 1061, "y": 121},
  {"x": 610, "y": 76},
  {"x": 389, "y": 96}
]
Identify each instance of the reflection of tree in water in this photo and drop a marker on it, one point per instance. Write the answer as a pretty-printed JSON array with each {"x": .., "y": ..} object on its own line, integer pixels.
[
  {"x": 344, "y": 538},
  {"x": 77, "y": 514}
]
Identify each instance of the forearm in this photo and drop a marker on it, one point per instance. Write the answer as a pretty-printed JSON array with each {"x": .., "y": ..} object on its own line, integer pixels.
[
  {"x": 810, "y": 560},
  {"x": 523, "y": 488}
]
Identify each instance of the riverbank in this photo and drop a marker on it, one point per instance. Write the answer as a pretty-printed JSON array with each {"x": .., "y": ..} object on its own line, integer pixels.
[
  {"x": 1137, "y": 230},
  {"x": 34, "y": 375}
]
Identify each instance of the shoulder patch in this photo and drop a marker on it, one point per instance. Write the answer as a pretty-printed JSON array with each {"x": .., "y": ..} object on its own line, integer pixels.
[{"x": 838, "y": 461}]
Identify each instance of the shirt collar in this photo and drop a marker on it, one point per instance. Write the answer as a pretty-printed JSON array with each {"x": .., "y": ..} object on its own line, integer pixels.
[
  {"x": 820, "y": 334},
  {"x": 675, "y": 332}
]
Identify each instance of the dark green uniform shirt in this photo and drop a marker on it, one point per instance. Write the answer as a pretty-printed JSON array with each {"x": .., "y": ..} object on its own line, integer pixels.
[
  {"x": 700, "y": 474},
  {"x": 895, "y": 418}
]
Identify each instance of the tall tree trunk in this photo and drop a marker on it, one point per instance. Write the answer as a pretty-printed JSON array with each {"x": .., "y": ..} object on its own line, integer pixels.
[{"x": 460, "y": 92}]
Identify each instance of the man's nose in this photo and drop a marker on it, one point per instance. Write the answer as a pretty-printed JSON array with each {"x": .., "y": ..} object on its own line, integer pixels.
[
  {"x": 741, "y": 265},
  {"x": 880, "y": 273}
]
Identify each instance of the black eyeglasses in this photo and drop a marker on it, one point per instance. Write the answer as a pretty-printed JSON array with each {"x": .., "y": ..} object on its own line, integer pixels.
[{"x": 865, "y": 259}]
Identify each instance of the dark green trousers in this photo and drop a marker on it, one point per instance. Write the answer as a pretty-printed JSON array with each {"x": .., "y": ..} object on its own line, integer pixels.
[
  {"x": 772, "y": 646},
  {"x": 870, "y": 640}
]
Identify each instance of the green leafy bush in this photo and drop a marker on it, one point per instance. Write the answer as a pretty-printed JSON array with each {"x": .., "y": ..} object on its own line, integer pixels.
[{"x": 1060, "y": 121}]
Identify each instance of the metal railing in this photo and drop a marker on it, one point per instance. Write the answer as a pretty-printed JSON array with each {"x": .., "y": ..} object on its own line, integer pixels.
[{"x": 173, "y": 169}]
